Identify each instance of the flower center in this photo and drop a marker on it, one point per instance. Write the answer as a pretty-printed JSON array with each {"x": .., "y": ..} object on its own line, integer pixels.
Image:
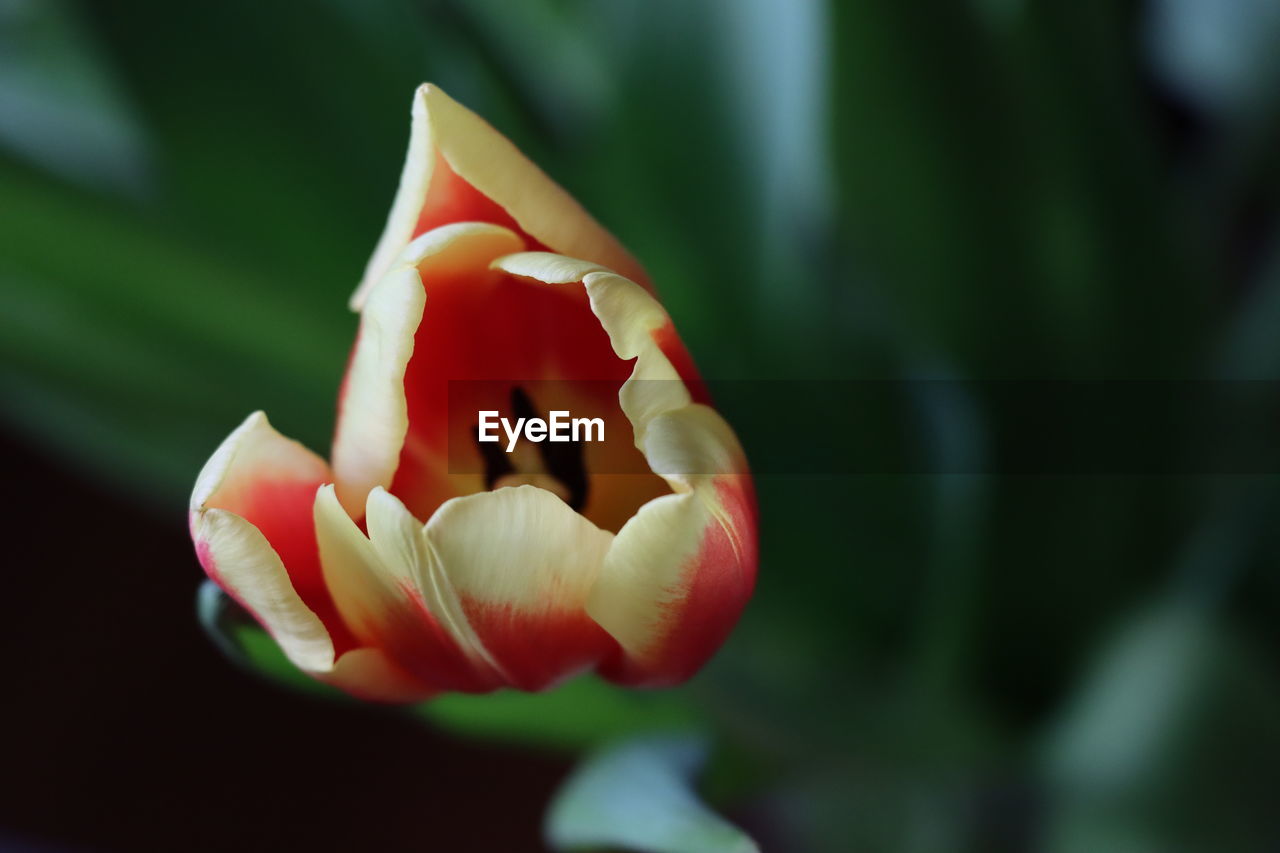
[{"x": 558, "y": 467}]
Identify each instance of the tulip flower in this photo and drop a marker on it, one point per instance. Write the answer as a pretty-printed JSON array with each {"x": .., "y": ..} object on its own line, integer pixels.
[{"x": 394, "y": 576}]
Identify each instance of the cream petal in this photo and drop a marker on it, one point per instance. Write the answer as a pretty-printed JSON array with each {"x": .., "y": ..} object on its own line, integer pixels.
[
  {"x": 458, "y": 248},
  {"x": 371, "y": 595},
  {"x": 546, "y": 267},
  {"x": 682, "y": 569},
  {"x": 240, "y": 560},
  {"x": 254, "y": 453},
  {"x": 256, "y": 460},
  {"x": 522, "y": 563},
  {"x": 399, "y": 539},
  {"x": 260, "y": 473},
  {"x": 375, "y": 583},
  {"x": 631, "y": 317},
  {"x": 486, "y": 160},
  {"x": 373, "y": 414}
]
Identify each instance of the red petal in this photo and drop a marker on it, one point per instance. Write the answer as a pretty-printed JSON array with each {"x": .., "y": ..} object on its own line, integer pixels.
[
  {"x": 501, "y": 331},
  {"x": 722, "y": 576},
  {"x": 271, "y": 482},
  {"x": 282, "y": 511},
  {"x": 451, "y": 199},
  {"x": 540, "y": 649}
]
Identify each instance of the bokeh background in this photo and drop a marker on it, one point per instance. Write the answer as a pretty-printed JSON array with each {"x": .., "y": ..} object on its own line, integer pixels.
[{"x": 836, "y": 191}]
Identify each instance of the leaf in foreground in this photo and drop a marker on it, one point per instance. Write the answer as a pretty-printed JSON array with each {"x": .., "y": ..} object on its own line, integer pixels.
[{"x": 638, "y": 795}]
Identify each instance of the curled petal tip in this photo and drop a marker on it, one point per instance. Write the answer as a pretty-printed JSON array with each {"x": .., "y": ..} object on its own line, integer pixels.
[{"x": 459, "y": 168}]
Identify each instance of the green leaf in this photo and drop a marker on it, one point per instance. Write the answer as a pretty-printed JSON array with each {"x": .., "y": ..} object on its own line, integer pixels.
[
  {"x": 61, "y": 103},
  {"x": 1171, "y": 743},
  {"x": 1219, "y": 54},
  {"x": 637, "y": 795},
  {"x": 583, "y": 713},
  {"x": 1131, "y": 702}
]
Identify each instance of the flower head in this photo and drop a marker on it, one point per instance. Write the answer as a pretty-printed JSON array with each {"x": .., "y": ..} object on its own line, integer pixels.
[{"x": 396, "y": 575}]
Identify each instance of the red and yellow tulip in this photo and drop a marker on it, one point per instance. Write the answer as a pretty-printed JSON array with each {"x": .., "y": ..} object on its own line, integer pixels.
[{"x": 489, "y": 271}]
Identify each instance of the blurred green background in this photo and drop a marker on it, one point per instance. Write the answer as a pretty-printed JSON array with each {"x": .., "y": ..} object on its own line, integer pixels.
[{"x": 841, "y": 190}]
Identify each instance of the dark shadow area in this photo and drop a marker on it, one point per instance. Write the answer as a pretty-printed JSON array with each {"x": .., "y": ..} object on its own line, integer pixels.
[{"x": 126, "y": 730}]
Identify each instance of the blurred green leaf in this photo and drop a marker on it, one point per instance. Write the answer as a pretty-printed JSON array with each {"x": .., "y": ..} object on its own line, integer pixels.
[
  {"x": 157, "y": 343},
  {"x": 1250, "y": 349},
  {"x": 1132, "y": 702},
  {"x": 637, "y": 795},
  {"x": 1218, "y": 54},
  {"x": 1172, "y": 742},
  {"x": 61, "y": 104}
]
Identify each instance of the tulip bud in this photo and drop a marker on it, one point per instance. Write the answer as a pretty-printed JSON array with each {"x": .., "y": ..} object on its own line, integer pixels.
[{"x": 394, "y": 575}]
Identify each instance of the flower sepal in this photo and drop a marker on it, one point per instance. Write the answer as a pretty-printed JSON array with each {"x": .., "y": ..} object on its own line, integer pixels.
[{"x": 244, "y": 642}]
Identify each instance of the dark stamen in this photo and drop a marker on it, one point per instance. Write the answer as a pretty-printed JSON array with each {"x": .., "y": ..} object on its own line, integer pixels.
[
  {"x": 562, "y": 460},
  {"x": 521, "y": 405},
  {"x": 497, "y": 463},
  {"x": 565, "y": 461}
]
